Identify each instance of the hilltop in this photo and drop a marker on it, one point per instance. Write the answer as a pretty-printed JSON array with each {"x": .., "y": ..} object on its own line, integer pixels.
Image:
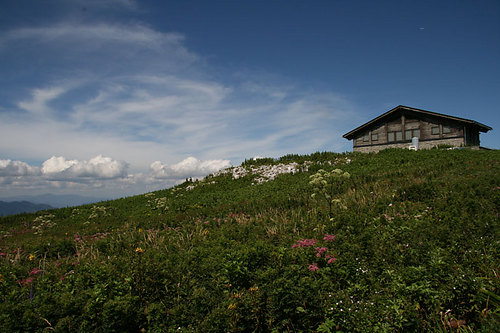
[{"x": 394, "y": 241}]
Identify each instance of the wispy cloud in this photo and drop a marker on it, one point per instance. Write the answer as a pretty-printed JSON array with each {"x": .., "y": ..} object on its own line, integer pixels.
[
  {"x": 38, "y": 104},
  {"x": 140, "y": 95}
]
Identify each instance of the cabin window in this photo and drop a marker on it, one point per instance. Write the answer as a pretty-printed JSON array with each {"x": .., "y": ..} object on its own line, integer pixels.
[
  {"x": 412, "y": 133},
  {"x": 399, "y": 135},
  {"x": 366, "y": 138},
  {"x": 446, "y": 129},
  {"x": 374, "y": 137},
  {"x": 394, "y": 136},
  {"x": 435, "y": 130}
]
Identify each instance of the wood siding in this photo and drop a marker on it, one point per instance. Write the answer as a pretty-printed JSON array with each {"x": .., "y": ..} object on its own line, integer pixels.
[{"x": 402, "y": 130}]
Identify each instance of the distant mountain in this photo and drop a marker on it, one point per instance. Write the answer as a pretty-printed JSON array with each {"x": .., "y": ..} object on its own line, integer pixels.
[
  {"x": 56, "y": 200},
  {"x": 17, "y": 207}
]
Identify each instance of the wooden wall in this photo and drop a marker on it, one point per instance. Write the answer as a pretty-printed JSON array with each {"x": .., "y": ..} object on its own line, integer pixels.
[{"x": 378, "y": 135}]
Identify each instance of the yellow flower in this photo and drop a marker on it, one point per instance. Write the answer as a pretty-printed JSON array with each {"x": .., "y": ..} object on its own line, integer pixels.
[
  {"x": 231, "y": 306},
  {"x": 254, "y": 288},
  {"x": 31, "y": 257},
  {"x": 139, "y": 230},
  {"x": 139, "y": 250}
]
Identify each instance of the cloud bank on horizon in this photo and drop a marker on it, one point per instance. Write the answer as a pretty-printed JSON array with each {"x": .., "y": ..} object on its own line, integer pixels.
[{"x": 101, "y": 172}]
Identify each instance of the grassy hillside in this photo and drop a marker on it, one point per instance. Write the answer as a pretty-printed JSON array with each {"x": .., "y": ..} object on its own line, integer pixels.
[{"x": 395, "y": 241}]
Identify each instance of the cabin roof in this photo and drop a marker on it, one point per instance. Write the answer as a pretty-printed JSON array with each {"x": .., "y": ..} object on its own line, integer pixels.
[{"x": 416, "y": 112}]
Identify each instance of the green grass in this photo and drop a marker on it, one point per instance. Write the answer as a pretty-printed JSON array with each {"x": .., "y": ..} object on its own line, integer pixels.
[{"x": 416, "y": 248}]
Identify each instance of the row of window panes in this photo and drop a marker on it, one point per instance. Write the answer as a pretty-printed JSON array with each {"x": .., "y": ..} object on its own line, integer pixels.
[
  {"x": 412, "y": 133},
  {"x": 398, "y": 135},
  {"x": 435, "y": 130},
  {"x": 409, "y": 134},
  {"x": 394, "y": 136}
]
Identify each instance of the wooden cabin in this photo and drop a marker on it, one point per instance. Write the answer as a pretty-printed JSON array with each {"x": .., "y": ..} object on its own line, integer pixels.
[{"x": 397, "y": 127}]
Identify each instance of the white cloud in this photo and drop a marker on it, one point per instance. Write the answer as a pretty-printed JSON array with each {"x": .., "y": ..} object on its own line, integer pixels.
[
  {"x": 99, "y": 167},
  {"x": 189, "y": 167},
  {"x": 40, "y": 99},
  {"x": 95, "y": 34},
  {"x": 10, "y": 168},
  {"x": 100, "y": 176}
]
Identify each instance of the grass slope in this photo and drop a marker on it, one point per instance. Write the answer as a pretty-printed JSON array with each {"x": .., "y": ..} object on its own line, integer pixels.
[{"x": 410, "y": 243}]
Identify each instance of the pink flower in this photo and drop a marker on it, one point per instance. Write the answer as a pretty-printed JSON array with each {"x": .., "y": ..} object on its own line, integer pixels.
[
  {"x": 35, "y": 271},
  {"x": 24, "y": 282},
  {"x": 331, "y": 259},
  {"x": 329, "y": 238},
  {"x": 313, "y": 267},
  {"x": 305, "y": 243},
  {"x": 320, "y": 251}
]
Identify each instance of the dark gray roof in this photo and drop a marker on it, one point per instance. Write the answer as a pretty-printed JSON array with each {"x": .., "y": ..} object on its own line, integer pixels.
[{"x": 401, "y": 108}]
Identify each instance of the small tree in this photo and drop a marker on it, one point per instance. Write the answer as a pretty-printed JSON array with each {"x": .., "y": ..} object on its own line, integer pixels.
[{"x": 326, "y": 185}]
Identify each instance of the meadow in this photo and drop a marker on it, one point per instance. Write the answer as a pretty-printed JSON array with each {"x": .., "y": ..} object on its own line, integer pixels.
[{"x": 399, "y": 241}]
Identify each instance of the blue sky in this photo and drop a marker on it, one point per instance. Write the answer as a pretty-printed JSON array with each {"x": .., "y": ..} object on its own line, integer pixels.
[{"x": 119, "y": 97}]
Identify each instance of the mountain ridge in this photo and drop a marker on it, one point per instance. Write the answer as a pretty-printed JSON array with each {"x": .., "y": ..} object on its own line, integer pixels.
[
  {"x": 18, "y": 207},
  {"x": 55, "y": 200}
]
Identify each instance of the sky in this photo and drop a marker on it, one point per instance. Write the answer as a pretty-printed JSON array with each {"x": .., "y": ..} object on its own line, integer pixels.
[{"x": 112, "y": 98}]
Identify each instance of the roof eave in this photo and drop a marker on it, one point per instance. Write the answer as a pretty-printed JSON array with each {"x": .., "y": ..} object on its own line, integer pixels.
[{"x": 350, "y": 135}]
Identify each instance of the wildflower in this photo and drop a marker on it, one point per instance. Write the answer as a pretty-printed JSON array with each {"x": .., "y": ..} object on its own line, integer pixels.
[
  {"x": 139, "y": 230},
  {"x": 231, "y": 306},
  {"x": 31, "y": 256},
  {"x": 139, "y": 250},
  {"x": 329, "y": 238},
  {"x": 320, "y": 251},
  {"x": 331, "y": 259},
  {"x": 35, "y": 271},
  {"x": 313, "y": 267},
  {"x": 304, "y": 243},
  {"x": 24, "y": 282}
]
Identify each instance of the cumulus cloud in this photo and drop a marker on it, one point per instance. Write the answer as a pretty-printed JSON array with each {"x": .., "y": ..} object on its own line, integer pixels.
[
  {"x": 189, "y": 167},
  {"x": 99, "y": 167},
  {"x": 10, "y": 168},
  {"x": 100, "y": 175}
]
